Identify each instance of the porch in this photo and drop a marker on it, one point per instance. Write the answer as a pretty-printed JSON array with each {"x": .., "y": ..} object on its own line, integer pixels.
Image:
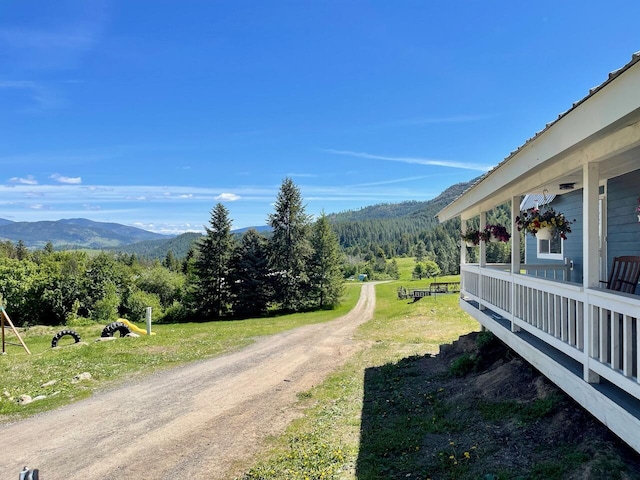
[
  {"x": 584, "y": 340},
  {"x": 582, "y": 337}
]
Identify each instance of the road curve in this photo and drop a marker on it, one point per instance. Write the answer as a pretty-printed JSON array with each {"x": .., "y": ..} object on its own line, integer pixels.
[{"x": 196, "y": 421}]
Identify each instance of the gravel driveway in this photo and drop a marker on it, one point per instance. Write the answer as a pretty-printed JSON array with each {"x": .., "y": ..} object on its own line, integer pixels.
[{"x": 197, "y": 421}]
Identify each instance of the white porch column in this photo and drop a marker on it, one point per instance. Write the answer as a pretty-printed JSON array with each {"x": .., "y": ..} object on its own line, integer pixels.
[
  {"x": 463, "y": 245},
  {"x": 483, "y": 246},
  {"x": 590, "y": 175},
  {"x": 515, "y": 256},
  {"x": 482, "y": 260}
]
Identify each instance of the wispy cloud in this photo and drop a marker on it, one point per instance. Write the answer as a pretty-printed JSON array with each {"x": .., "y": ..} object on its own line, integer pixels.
[
  {"x": 442, "y": 120},
  {"x": 43, "y": 97},
  {"x": 413, "y": 160},
  {"x": 227, "y": 197},
  {"x": 391, "y": 181},
  {"x": 66, "y": 180},
  {"x": 28, "y": 180},
  {"x": 68, "y": 35}
]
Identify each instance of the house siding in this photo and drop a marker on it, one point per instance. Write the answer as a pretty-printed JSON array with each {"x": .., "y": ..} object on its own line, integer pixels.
[
  {"x": 623, "y": 229},
  {"x": 571, "y": 205}
]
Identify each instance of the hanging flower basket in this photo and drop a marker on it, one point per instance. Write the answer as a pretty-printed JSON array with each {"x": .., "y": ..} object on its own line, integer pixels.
[
  {"x": 471, "y": 238},
  {"x": 544, "y": 233},
  {"x": 537, "y": 222},
  {"x": 490, "y": 233},
  {"x": 497, "y": 233}
]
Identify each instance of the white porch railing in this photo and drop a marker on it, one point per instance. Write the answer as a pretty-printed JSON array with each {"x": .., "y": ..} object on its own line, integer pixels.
[{"x": 567, "y": 317}]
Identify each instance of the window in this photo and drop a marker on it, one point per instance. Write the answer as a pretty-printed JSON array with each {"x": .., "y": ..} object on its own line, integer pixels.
[{"x": 551, "y": 249}]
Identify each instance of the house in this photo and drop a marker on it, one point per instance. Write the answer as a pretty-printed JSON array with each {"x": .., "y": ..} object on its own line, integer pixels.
[{"x": 583, "y": 337}]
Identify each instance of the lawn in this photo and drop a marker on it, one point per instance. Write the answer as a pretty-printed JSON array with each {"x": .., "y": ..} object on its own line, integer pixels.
[
  {"x": 50, "y": 372},
  {"x": 325, "y": 443}
]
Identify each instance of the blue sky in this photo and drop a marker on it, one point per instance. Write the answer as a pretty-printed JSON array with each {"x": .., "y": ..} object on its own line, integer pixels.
[{"x": 149, "y": 112}]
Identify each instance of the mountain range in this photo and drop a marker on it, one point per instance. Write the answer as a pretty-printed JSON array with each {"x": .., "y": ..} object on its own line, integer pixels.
[{"x": 81, "y": 233}]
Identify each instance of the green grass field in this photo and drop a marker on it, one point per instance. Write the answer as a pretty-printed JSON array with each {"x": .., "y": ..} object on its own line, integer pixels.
[
  {"x": 322, "y": 444},
  {"x": 126, "y": 358},
  {"x": 325, "y": 443}
]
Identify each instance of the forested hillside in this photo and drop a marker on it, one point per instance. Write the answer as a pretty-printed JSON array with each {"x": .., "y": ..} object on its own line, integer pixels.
[{"x": 397, "y": 229}]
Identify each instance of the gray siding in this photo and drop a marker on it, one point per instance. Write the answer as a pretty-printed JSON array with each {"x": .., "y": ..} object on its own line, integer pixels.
[
  {"x": 571, "y": 205},
  {"x": 623, "y": 229}
]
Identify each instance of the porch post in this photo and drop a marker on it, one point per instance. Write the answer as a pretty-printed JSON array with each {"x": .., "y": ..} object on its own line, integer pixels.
[
  {"x": 463, "y": 255},
  {"x": 482, "y": 260},
  {"x": 483, "y": 245},
  {"x": 590, "y": 175},
  {"x": 463, "y": 246},
  {"x": 515, "y": 257}
]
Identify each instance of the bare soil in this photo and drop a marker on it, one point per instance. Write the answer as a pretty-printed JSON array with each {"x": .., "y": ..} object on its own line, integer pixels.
[
  {"x": 487, "y": 414},
  {"x": 198, "y": 421}
]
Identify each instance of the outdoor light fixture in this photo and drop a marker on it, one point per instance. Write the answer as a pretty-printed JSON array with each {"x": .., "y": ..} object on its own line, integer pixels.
[{"x": 567, "y": 186}]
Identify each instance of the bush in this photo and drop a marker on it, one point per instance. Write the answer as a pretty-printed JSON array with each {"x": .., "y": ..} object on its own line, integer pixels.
[
  {"x": 105, "y": 310},
  {"x": 137, "y": 303},
  {"x": 176, "y": 313}
]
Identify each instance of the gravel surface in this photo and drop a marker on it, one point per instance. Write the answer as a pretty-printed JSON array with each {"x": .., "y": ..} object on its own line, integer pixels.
[{"x": 199, "y": 421}]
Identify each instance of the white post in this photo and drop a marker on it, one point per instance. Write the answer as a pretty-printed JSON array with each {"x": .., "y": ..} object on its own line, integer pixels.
[
  {"x": 515, "y": 257},
  {"x": 590, "y": 197},
  {"x": 482, "y": 260},
  {"x": 148, "y": 318}
]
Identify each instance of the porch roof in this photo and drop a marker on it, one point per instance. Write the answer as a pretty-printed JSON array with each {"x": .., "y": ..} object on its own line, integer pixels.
[{"x": 604, "y": 125}]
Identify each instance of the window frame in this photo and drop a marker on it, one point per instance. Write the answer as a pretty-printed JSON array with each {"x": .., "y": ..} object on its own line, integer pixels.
[{"x": 550, "y": 255}]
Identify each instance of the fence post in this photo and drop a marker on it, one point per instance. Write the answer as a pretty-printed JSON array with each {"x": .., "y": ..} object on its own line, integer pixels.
[{"x": 148, "y": 318}]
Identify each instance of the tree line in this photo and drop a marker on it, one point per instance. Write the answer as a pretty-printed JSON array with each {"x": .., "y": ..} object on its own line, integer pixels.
[{"x": 299, "y": 267}]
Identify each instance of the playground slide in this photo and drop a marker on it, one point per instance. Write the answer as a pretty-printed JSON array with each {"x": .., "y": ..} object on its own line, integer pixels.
[{"x": 134, "y": 328}]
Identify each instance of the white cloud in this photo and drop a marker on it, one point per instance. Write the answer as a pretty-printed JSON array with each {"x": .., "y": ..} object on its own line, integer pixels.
[
  {"x": 227, "y": 197},
  {"x": 418, "y": 161},
  {"x": 88, "y": 206},
  {"x": 28, "y": 180},
  {"x": 66, "y": 180}
]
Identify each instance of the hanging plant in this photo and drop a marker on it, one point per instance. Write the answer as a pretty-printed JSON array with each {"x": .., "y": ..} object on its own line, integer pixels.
[
  {"x": 471, "y": 237},
  {"x": 497, "y": 233},
  {"x": 534, "y": 220}
]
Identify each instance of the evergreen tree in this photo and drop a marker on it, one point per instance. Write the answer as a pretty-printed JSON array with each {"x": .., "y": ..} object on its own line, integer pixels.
[
  {"x": 289, "y": 248},
  {"x": 421, "y": 251},
  {"x": 212, "y": 290},
  {"x": 171, "y": 262},
  {"x": 250, "y": 285},
  {"x": 325, "y": 266},
  {"x": 22, "y": 252}
]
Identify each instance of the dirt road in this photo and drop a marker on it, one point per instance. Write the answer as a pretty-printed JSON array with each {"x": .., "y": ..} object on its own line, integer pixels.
[{"x": 196, "y": 421}]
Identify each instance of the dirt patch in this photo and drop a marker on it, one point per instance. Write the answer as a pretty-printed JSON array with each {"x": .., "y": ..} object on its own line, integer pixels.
[{"x": 478, "y": 411}]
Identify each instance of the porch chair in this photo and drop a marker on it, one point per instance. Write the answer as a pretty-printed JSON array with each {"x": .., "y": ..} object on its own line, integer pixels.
[{"x": 624, "y": 274}]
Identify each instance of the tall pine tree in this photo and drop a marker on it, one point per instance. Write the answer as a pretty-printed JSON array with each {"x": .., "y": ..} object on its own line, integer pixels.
[
  {"x": 289, "y": 248},
  {"x": 212, "y": 290},
  {"x": 326, "y": 264},
  {"x": 250, "y": 285}
]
